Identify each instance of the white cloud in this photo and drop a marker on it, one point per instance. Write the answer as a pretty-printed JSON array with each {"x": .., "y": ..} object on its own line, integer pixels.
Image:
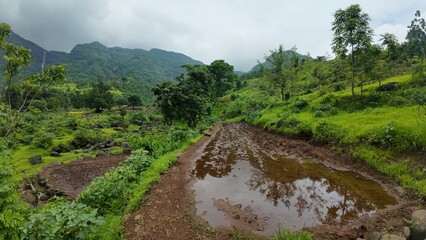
[{"x": 238, "y": 31}]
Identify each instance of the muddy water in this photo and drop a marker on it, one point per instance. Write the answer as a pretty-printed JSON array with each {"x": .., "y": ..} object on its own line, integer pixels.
[{"x": 247, "y": 183}]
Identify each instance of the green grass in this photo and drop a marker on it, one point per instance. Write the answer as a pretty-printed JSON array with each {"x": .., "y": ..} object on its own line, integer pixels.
[
  {"x": 285, "y": 234},
  {"x": 376, "y": 132}
]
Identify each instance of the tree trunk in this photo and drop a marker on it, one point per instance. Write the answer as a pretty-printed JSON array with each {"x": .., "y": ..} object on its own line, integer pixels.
[{"x": 353, "y": 74}]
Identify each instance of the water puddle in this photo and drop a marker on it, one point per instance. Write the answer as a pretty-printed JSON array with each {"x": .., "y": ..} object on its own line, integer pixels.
[{"x": 239, "y": 185}]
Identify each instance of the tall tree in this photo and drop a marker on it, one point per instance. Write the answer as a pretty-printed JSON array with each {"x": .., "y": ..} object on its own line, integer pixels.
[
  {"x": 352, "y": 34},
  {"x": 390, "y": 42},
  {"x": 416, "y": 36},
  {"x": 223, "y": 75},
  {"x": 284, "y": 68}
]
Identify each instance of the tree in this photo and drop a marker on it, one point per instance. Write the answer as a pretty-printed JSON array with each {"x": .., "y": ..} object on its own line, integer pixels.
[
  {"x": 223, "y": 75},
  {"x": 190, "y": 99},
  {"x": 284, "y": 68},
  {"x": 99, "y": 97},
  {"x": 392, "y": 45},
  {"x": 351, "y": 33},
  {"x": 134, "y": 100},
  {"x": 416, "y": 37},
  {"x": 18, "y": 94}
]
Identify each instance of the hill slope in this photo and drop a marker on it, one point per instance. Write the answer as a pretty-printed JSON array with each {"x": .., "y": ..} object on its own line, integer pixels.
[{"x": 94, "y": 61}]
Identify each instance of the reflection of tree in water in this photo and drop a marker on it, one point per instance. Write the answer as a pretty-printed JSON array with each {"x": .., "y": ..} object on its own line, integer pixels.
[{"x": 310, "y": 188}]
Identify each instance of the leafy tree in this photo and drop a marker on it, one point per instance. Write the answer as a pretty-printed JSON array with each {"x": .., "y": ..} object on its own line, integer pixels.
[
  {"x": 99, "y": 97},
  {"x": 190, "y": 99},
  {"x": 134, "y": 100},
  {"x": 223, "y": 75},
  {"x": 352, "y": 34},
  {"x": 18, "y": 95},
  {"x": 167, "y": 99},
  {"x": 369, "y": 69},
  {"x": 416, "y": 36},
  {"x": 392, "y": 45},
  {"x": 284, "y": 68}
]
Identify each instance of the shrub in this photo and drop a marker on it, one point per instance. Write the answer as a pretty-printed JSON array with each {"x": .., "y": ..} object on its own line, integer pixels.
[
  {"x": 328, "y": 132},
  {"x": 301, "y": 104},
  {"x": 397, "y": 138},
  {"x": 111, "y": 192},
  {"x": 285, "y": 234},
  {"x": 61, "y": 220},
  {"x": 43, "y": 140},
  {"x": 11, "y": 207},
  {"x": 82, "y": 137},
  {"x": 139, "y": 118}
]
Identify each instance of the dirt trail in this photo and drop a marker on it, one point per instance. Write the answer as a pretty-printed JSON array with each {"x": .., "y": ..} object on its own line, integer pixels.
[{"x": 169, "y": 211}]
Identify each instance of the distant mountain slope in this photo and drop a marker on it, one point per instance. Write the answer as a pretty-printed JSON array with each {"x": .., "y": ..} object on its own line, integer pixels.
[{"x": 94, "y": 61}]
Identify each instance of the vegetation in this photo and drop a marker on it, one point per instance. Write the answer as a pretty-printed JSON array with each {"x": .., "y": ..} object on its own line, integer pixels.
[{"x": 379, "y": 119}]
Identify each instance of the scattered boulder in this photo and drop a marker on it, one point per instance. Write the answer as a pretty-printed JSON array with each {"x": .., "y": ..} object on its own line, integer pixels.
[
  {"x": 55, "y": 154},
  {"x": 373, "y": 236},
  {"x": 407, "y": 232},
  {"x": 101, "y": 153},
  {"x": 34, "y": 160},
  {"x": 280, "y": 123},
  {"x": 127, "y": 150},
  {"x": 418, "y": 228},
  {"x": 388, "y": 87},
  {"x": 392, "y": 237},
  {"x": 57, "y": 149}
]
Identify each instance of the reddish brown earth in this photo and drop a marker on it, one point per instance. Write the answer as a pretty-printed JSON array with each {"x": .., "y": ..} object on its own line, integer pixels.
[
  {"x": 169, "y": 210},
  {"x": 70, "y": 179}
]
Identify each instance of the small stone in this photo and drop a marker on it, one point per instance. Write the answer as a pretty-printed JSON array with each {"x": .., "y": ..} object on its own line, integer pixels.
[
  {"x": 55, "y": 154},
  {"x": 392, "y": 237},
  {"x": 43, "y": 197},
  {"x": 418, "y": 228},
  {"x": 373, "y": 236},
  {"x": 35, "y": 160},
  {"x": 400, "y": 191},
  {"x": 406, "y": 231}
]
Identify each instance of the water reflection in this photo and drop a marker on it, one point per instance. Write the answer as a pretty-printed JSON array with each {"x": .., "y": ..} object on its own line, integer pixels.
[{"x": 293, "y": 193}]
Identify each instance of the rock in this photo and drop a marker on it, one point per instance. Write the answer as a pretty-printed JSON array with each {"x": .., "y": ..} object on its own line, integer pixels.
[
  {"x": 34, "y": 160},
  {"x": 88, "y": 145},
  {"x": 57, "y": 149},
  {"x": 96, "y": 145},
  {"x": 392, "y": 237},
  {"x": 43, "y": 197},
  {"x": 418, "y": 228},
  {"x": 101, "y": 153},
  {"x": 108, "y": 140},
  {"x": 406, "y": 232},
  {"x": 400, "y": 191},
  {"x": 111, "y": 144},
  {"x": 55, "y": 154},
  {"x": 388, "y": 87},
  {"x": 127, "y": 150},
  {"x": 280, "y": 123},
  {"x": 373, "y": 236}
]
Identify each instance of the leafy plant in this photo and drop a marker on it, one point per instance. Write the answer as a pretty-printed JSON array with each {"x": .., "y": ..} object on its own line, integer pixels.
[
  {"x": 285, "y": 234},
  {"x": 62, "y": 220},
  {"x": 11, "y": 207}
]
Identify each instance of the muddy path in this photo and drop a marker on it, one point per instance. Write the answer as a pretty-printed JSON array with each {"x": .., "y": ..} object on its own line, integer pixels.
[{"x": 246, "y": 180}]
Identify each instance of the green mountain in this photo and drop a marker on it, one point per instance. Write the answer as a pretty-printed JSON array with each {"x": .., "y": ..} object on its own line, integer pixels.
[{"x": 93, "y": 61}]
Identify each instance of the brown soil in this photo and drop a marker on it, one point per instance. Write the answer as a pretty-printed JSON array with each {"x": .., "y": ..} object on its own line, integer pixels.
[
  {"x": 169, "y": 210},
  {"x": 70, "y": 179}
]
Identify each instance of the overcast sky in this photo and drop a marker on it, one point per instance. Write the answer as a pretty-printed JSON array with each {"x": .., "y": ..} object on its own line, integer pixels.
[{"x": 238, "y": 31}]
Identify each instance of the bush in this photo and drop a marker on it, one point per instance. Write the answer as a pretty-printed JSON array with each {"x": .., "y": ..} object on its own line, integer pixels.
[
  {"x": 43, "y": 140},
  {"x": 61, "y": 220},
  {"x": 396, "y": 138},
  {"x": 139, "y": 118},
  {"x": 285, "y": 234},
  {"x": 82, "y": 137},
  {"x": 111, "y": 192},
  {"x": 11, "y": 207},
  {"x": 328, "y": 132}
]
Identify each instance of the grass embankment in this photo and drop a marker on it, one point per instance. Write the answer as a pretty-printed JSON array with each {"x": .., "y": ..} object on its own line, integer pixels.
[
  {"x": 131, "y": 197},
  {"x": 386, "y": 129}
]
